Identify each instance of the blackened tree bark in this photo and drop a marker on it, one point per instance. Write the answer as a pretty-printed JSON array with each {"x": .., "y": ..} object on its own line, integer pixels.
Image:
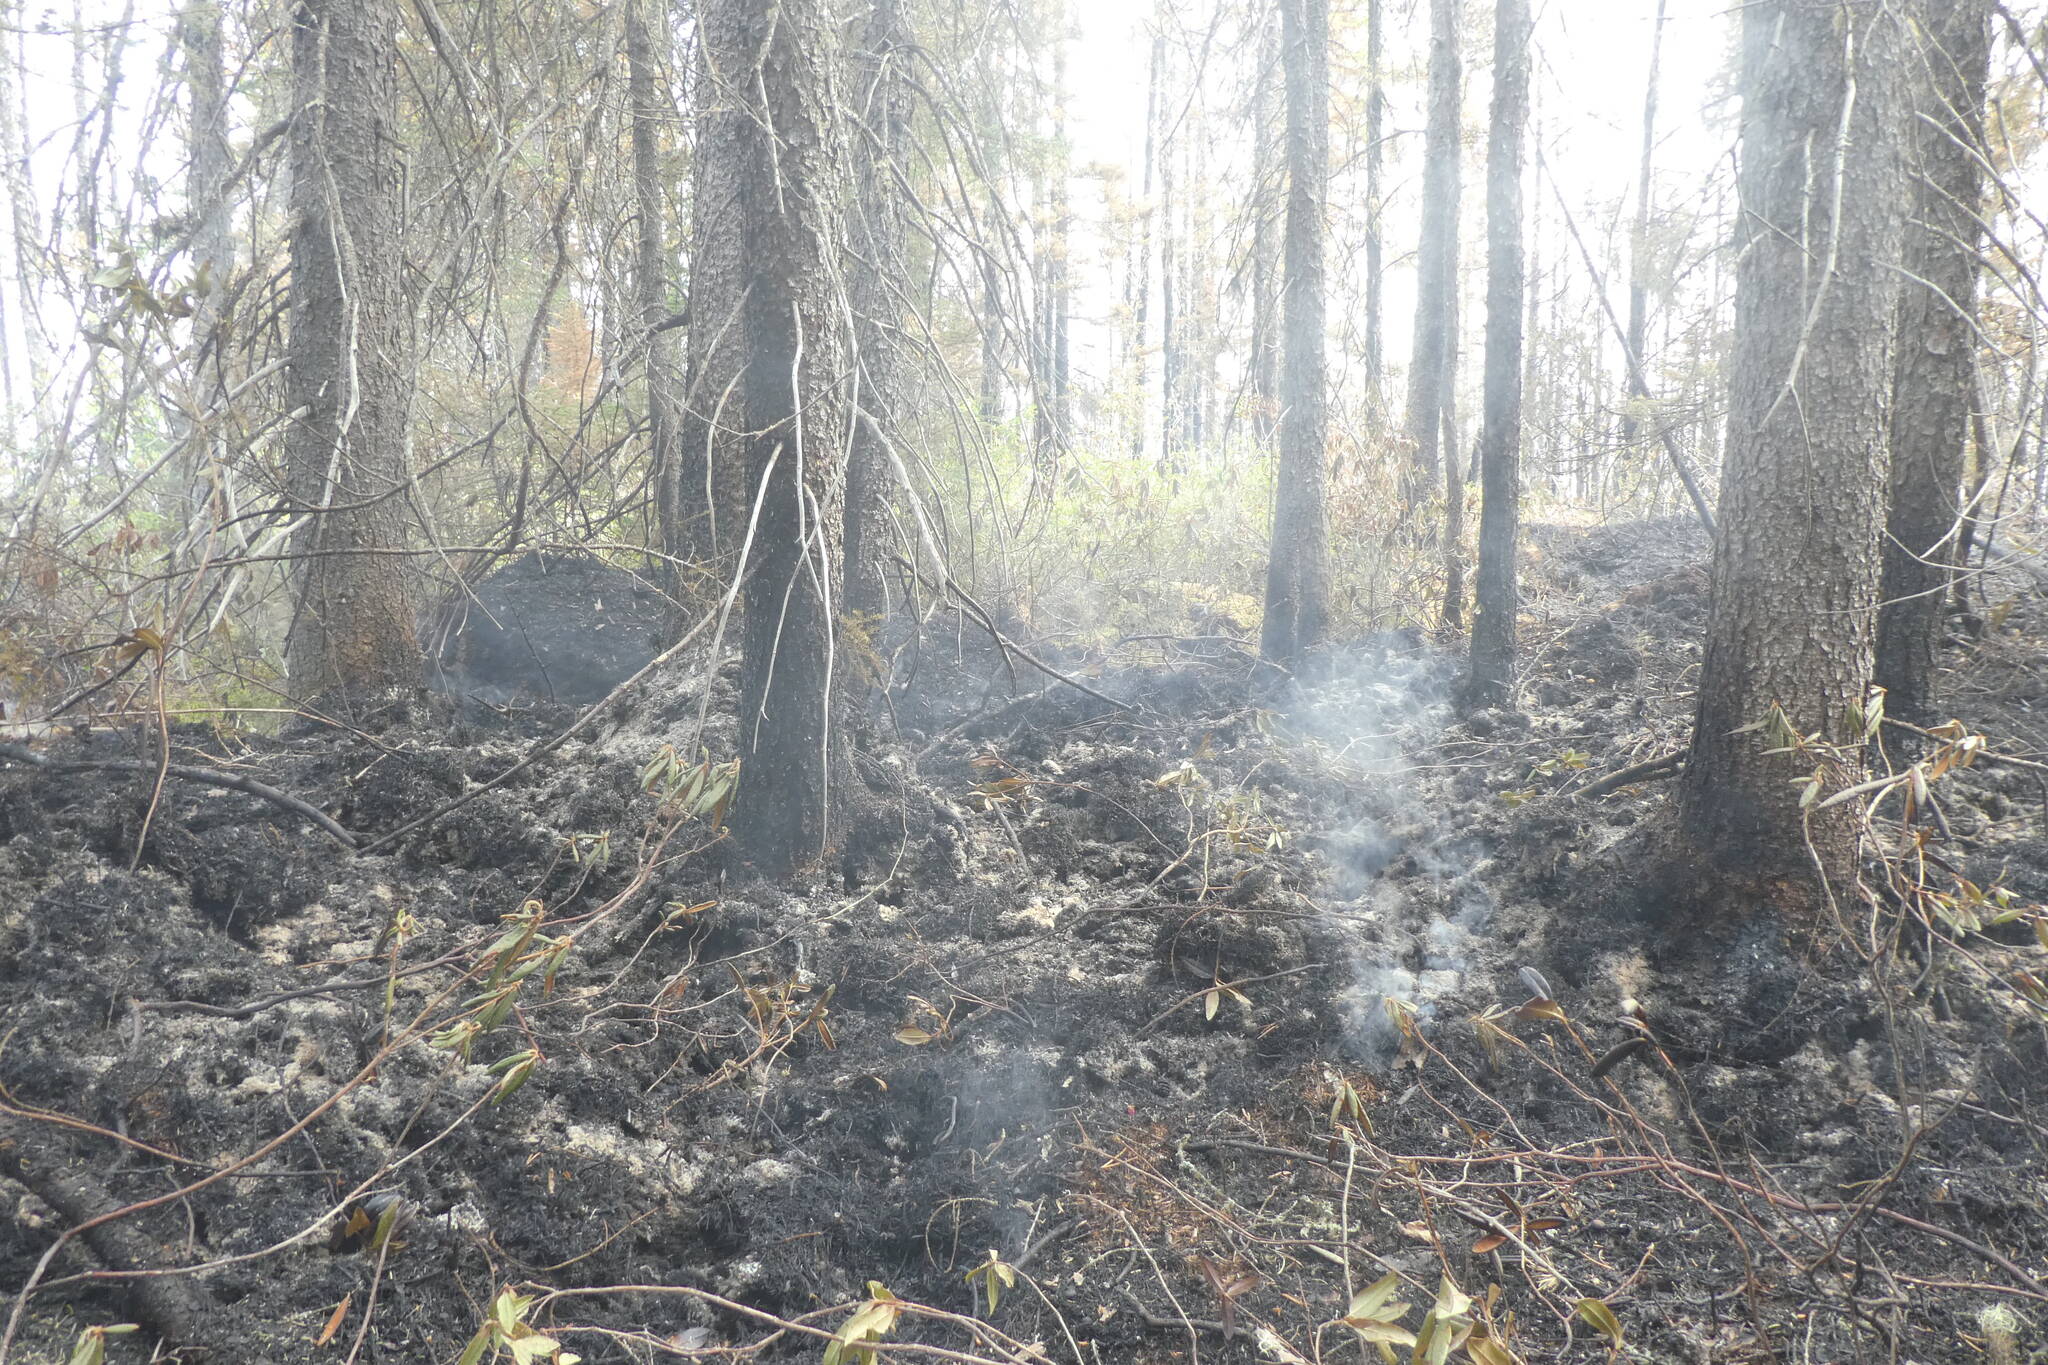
[
  {"x": 796, "y": 422},
  {"x": 1795, "y": 576},
  {"x": 1429, "y": 371},
  {"x": 710, "y": 493},
  {"x": 1639, "y": 236},
  {"x": 1933, "y": 383},
  {"x": 650, "y": 283},
  {"x": 348, "y": 359},
  {"x": 877, "y": 285},
  {"x": 1500, "y": 433},
  {"x": 1297, "y": 572}
]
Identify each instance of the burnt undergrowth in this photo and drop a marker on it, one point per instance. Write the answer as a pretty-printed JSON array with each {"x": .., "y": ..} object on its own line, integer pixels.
[{"x": 1199, "y": 1014}]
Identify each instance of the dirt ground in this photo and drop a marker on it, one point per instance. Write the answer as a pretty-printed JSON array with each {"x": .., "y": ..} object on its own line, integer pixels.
[{"x": 1198, "y": 1014}]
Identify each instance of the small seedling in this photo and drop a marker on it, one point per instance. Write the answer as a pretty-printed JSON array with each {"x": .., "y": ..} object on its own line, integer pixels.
[
  {"x": 506, "y": 1332},
  {"x": 853, "y": 1344},
  {"x": 92, "y": 1343},
  {"x": 995, "y": 1275}
]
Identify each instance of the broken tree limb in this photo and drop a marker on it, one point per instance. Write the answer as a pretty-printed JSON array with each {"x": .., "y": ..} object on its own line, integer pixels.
[
  {"x": 18, "y": 753},
  {"x": 1655, "y": 767},
  {"x": 170, "y": 1305}
]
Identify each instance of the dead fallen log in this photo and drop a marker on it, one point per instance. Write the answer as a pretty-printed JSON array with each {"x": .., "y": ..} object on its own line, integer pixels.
[{"x": 172, "y": 1306}]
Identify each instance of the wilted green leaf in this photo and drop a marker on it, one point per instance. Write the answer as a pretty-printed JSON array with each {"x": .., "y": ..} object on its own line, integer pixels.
[{"x": 1602, "y": 1319}]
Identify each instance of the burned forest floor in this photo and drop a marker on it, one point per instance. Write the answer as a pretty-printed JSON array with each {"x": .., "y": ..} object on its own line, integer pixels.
[{"x": 1146, "y": 1032}]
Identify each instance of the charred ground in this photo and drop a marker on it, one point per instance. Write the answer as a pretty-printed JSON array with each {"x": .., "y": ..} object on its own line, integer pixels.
[{"x": 1103, "y": 990}]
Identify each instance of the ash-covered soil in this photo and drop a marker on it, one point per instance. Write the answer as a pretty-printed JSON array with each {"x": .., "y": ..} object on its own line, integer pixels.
[{"x": 1200, "y": 1016}]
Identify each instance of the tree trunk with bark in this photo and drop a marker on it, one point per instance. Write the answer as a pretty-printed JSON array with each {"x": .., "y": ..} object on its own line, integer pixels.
[
  {"x": 796, "y": 408},
  {"x": 1375, "y": 230},
  {"x": 711, "y": 494},
  {"x": 1141, "y": 288},
  {"x": 348, "y": 360},
  {"x": 877, "y": 285},
  {"x": 1429, "y": 370},
  {"x": 1265, "y": 358},
  {"x": 1297, "y": 574},
  {"x": 1934, "y": 379},
  {"x": 650, "y": 285},
  {"x": 212, "y": 161},
  {"x": 1500, "y": 440},
  {"x": 1795, "y": 575},
  {"x": 1639, "y": 237}
]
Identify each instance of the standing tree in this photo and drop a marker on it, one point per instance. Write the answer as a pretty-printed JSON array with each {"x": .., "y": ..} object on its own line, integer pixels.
[
  {"x": 796, "y": 424},
  {"x": 879, "y": 282},
  {"x": 1298, "y": 570},
  {"x": 1436, "y": 292},
  {"x": 349, "y": 358},
  {"x": 1933, "y": 383},
  {"x": 212, "y": 159},
  {"x": 650, "y": 282},
  {"x": 1635, "y": 358},
  {"x": 708, "y": 494},
  {"x": 1141, "y": 282},
  {"x": 1795, "y": 575},
  {"x": 1375, "y": 231},
  {"x": 1500, "y": 439},
  {"x": 1265, "y": 256}
]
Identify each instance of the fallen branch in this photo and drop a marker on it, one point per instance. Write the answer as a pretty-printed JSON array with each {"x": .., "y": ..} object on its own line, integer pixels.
[
  {"x": 170, "y": 1306},
  {"x": 1656, "y": 767},
  {"x": 206, "y": 776}
]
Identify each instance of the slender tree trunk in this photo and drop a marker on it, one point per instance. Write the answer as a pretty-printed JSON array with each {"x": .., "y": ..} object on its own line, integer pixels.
[
  {"x": 650, "y": 286},
  {"x": 992, "y": 328},
  {"x": 1639, "y": 236},
  {"x": 1297, "y": 575},
  {"x": 1375, "y": 229},
  {"x": 879, "y": 280},
  {"x": 1935, "y": 375},
  {"x": 1429, "y": 372},
  {"x": 1454, "y": 496},
  {"x": 1795, "y": 575},
  {"x": 1141, "y": 290},
  {"x": 348, "y": 359},
  {"x": 1058, "y": 358},
  {"x": 1265, "y": 357},
  {"x": 1171, "y": 434},
  {"x": 1500, "y": 440},
  {"x": 213, "y": 249},
  {"x": 206, "y": 179},
  {"x": 712, "y": 492},
  {"x": 792, "y": 735}
]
